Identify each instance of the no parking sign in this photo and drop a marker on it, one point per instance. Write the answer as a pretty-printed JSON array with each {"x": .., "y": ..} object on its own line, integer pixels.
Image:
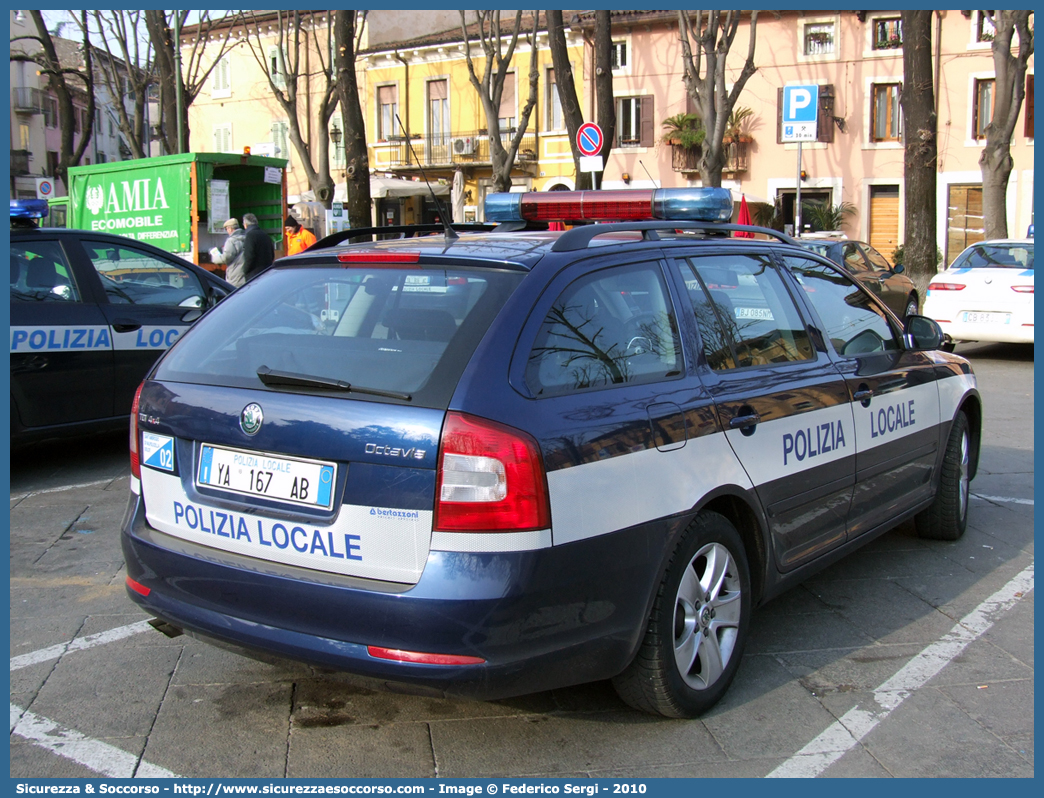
[{"x": 44, "y": 187}]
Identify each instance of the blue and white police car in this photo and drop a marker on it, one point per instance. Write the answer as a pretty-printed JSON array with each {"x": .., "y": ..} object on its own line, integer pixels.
[
  {"x": 507, "y": 462},
  {"x": 90, "y": 313}
]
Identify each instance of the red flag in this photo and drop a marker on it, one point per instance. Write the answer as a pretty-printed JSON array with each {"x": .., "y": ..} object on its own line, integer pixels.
[{"x": 743, "y": 218}]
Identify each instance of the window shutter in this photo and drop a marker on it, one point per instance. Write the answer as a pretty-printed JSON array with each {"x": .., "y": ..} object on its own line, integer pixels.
[
  {"x": 825, "y": 117},
  {"x": 647, "y": 134},
  {"x": 1029, "y": 106},
  {"x": 779, "y": 116}
]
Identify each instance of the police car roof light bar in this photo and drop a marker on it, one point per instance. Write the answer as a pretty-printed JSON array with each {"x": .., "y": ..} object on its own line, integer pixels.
[
  {"x": 631, "y": 205},
  {"x": 28, "y": 208}
]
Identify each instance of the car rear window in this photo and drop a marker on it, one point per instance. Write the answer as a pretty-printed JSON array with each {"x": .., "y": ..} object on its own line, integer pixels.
[
  {"x": 992, "y": 256},
  {"x": 397, "y": 330}
]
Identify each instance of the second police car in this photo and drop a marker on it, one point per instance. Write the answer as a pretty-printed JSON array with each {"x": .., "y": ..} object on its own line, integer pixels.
[
  {"x": 502, "y": 463},
  {"x": 90, "y": 313}
]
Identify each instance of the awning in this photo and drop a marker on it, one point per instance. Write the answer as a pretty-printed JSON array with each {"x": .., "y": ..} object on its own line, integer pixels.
[{"x": 381, "y": 187}]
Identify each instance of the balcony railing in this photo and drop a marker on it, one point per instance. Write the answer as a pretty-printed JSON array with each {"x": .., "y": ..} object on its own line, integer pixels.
[
  {"x": 445, "y": 150},
  {"x": 27, "y": 100},
  {"x": 19, "y": 162}
]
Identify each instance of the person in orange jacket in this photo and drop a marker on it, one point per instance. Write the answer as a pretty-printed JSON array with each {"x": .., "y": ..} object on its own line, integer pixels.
[{"x": 298, "y": 239}]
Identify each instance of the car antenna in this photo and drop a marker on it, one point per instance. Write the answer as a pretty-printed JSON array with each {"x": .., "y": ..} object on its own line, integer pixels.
[
  {"x": 646, "y": 171},
  {"x": 451, "y": 234}
]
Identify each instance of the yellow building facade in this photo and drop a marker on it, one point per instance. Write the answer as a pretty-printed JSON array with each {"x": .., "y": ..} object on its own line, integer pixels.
[{"x": 424, "y": 117}]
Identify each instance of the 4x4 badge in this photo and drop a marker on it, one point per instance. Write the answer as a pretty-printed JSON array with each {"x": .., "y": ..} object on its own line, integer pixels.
[{"x": 250, "y": 419}]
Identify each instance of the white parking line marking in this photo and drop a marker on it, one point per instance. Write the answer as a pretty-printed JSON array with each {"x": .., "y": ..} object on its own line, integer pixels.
[
  {"x": 78, "y": 644},
  {"x": 1002, "y": 499},
  {"x": 854, "y": 725},
  {"x": 63, "y": 488},
  {"x": 94, "y": 754}
]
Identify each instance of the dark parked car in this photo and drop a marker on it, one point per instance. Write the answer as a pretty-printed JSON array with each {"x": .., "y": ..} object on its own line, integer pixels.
[
  {"x": 507, "y": 462},
  {"x": 90, "y": 313},
  {"x": 871, "y": 268}
]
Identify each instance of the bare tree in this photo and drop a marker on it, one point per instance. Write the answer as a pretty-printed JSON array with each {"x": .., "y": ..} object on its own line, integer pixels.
[
  {"x": 713, "y": 33},
  {"x": 125, "y": 69},
  {"x": 566, "y": 86},
  {"x": 921, "y": 143},
  {"x": 61, "y": 80},
  {"x": 289, "y": 75},
  {"x": 196, "y": 68},
  {"x": 490, "y": 86},
  {"x": 357, "y": 160},
  {"x": 1008, "y": 92}
]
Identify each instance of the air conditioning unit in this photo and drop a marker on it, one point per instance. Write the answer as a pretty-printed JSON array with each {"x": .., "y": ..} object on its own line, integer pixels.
[{"x": 465, "y": 145}]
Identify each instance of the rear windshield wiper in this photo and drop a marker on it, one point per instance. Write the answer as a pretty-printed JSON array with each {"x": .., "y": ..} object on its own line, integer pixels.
[{"x": 273, "y": 378}]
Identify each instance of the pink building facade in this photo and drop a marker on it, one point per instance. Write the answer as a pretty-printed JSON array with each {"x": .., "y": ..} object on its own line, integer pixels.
[{"x": 855, "y": 57}]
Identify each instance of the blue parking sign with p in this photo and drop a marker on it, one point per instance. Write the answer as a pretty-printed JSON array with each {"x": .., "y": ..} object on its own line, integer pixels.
[{"x": 800, "y": 112}]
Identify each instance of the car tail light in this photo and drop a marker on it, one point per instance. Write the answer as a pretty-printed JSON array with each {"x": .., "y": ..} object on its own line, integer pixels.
[
  {"x": 946, "y": 286},
  {"x": 135, "y": 460},
  {"x": 1022, "y": 289},
  {"x": 378, "y": 258},
  {"x": 399, "y": 655},
  {"x": 491, "y": 478}
]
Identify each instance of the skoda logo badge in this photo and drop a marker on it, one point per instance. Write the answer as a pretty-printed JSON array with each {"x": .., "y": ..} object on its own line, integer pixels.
[{"x": 250, "y": 419}]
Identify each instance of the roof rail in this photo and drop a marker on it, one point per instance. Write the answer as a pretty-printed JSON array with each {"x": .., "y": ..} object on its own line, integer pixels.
[
  {"x": 397, "y": 231},
  {"x": 581, "y": 237}
]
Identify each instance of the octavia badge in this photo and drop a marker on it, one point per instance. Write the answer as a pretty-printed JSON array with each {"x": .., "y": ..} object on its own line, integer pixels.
[{"x": 250, "y": 419}]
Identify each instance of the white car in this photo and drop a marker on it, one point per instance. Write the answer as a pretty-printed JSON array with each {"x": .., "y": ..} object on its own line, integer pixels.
[{"x": 986, "y": 294}]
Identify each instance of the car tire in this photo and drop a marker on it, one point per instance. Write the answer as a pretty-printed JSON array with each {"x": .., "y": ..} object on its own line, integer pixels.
[
  {"x": 911, "y": 307},
  {"x": 698, "y": 626},
  {"x": 947, "y": 517}
]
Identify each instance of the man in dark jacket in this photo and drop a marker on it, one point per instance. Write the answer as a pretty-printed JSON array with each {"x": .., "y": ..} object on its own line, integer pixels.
[{"x": 258, "y": 250}]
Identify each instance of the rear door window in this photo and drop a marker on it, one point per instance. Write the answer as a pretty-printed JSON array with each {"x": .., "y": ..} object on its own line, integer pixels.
[
  {"x": 610, "y": 327},
  {"x": 40, "y": 272},
  {"x": 398, "y": 331}
]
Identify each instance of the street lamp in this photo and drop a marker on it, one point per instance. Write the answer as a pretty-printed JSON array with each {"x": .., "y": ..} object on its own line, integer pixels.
[{"x": 335, "y": 135}]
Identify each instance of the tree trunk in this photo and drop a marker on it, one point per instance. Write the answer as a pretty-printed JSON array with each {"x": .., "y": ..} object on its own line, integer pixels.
[
  {"x": 921, "y": 144},
  {"x": 357, "y": 161},
  {"x": 1009, "y": 92},
  {"x": 565, "y": 85},
  {"x": 605, "y": 103},
  {"x": 162, "y": 39}
]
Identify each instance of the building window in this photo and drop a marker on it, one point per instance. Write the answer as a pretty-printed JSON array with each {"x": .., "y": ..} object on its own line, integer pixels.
[
  {"x": 221, "y": 79},
  {"x": 387, "y": 109},
  {"x": 634, "y": 122},
  {"x": 275, "y": 67},
  {"x": 508, "y": 105},
  {"x": 888, "y": 33},
  {"x": 23, "y": 136},
  {"x": 281, "y": 140},
  {"x": 886, "y": 114},
  {"x": 984, "y": 28},
  {"x": 337, "y": 159},
  {"x": 618, "y": 55},
  {"x": 438, "y": 111},
  {"x": 982, "y": 110},
  {"x": 51, "y": 112},
  {"x": 223, "y": 138},
  {"x": 819, "y": 38},
  {"x": 52, "y": 162},
  {"x": 555, "y": 118}
]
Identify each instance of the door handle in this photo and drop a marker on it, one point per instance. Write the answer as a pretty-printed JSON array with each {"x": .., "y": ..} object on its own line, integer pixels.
[
  {"x": 863, "y": 395},
  {"x": 744, "y": 422},
  {"x": 126, "y": 325}
]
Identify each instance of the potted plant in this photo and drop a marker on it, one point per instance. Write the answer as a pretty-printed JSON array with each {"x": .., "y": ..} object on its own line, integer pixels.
[
  {"x": 685, "y": 131},
  {"x": 738, "y": 126}
]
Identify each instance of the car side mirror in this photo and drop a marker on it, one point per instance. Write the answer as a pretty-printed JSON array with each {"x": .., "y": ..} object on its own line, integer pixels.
[
  {"x": 898, "y": 268},
  {"x": 191, "y": 302},
  {"x": 922, "y": 333}
]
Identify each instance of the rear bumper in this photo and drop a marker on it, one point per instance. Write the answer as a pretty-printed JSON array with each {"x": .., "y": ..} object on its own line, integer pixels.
[
  {"x": 1015, "y": 333},
  {"x": 539, "y": 619}
]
